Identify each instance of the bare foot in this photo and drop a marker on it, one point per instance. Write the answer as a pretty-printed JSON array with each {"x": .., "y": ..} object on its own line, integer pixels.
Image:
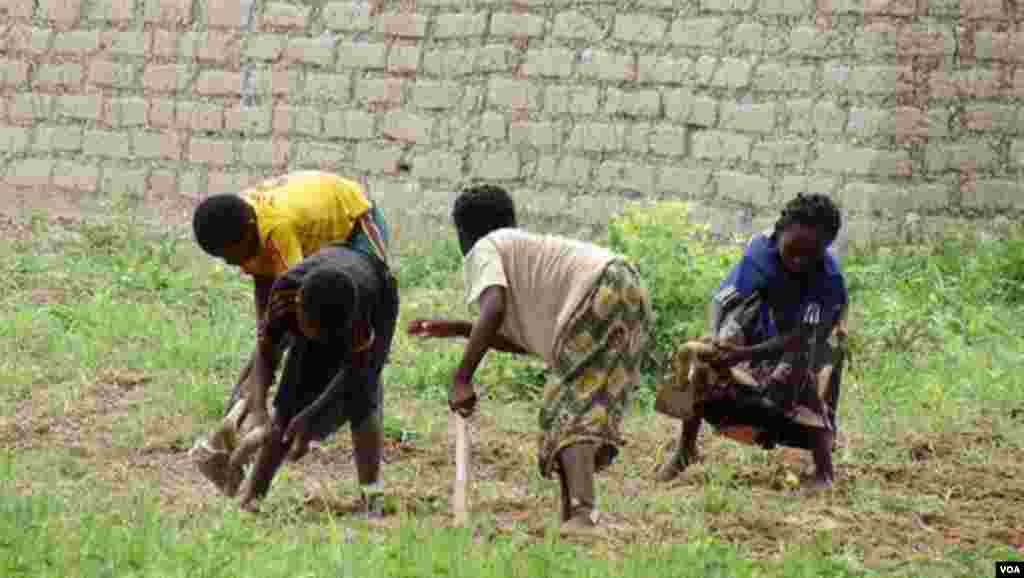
[
  {"x": 817, "y": 484},
  {"x": 677, "y": 464},
  {"x": 250, "y": 506},
  {"x": 373, "y": 506},
  {"x": 581, "y": 525}
]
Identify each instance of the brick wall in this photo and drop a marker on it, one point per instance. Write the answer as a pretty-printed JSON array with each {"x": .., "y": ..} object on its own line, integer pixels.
[{"x": 891, "y": 105}]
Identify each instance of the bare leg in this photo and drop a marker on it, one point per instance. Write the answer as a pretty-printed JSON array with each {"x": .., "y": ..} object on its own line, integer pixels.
[
  {"x": 578, "y": 463},
  {"x": 368, "y": 448},
  {"x": 268, "y": 461},
  {"x": 566, "y": 502},
  {"x": 685, "y": 453},
  {"x": 824, "y": 474}
]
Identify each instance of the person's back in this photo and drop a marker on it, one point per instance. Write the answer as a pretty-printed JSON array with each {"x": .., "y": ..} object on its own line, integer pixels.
[
  {"x": 339, "y": 308},
  {"x": 299, "y": 214},
  {"x": 584, "y": 309},
  {"x": 547, "y": 276}
]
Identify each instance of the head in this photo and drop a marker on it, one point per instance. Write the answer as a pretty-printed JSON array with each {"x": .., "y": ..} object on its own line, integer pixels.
[
  {"x": 327, "y": 303},
  {"x": 479, "y": 210},
  {"x": 225, "y": 227},
  {"x": 808, "y": 225}
]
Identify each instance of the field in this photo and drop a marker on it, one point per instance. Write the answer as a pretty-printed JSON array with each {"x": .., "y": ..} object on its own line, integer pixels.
[{"x": 119, "y": 340}]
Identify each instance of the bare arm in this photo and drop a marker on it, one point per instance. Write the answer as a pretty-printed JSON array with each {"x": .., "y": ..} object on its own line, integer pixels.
[
  {"x": 261, "y": 294},
  {"x": 299, "y": 424},
  {"x": 841, "y": 327},
  {"x": 485, "y": 330},
  {"x": 738, "y": 353},
  {"x": 447, "y": 328},
  {"x": 262, "y": 376},
  {"x": 439, "y": 328},
  {"x": 265, "y": 358}
]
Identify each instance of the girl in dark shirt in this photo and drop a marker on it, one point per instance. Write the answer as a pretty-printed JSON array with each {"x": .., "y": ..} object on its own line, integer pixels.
[{"x": 339, "y": 307}]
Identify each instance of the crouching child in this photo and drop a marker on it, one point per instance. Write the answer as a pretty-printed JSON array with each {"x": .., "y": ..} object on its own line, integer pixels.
[{"x": 339, "y": 308}]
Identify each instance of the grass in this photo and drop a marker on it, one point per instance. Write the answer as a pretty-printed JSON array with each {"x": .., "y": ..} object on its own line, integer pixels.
[{"x": 118, "y": 343}]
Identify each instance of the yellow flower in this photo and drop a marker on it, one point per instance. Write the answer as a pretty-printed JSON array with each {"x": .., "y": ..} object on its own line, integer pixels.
[
  {"x": 604, "y": 301},
  {"x": 617, "y": 381},
  {"x": 635, "y": 295},
  {"x": 551, "y": 389},
  {"x": 599, "y": 416},
  {"x": 591, "y": 381},
  {"x": 582, "y": 342}
]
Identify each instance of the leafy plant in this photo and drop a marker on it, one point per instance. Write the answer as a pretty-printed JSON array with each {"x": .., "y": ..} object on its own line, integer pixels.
[{"x": 680, "y": 263}]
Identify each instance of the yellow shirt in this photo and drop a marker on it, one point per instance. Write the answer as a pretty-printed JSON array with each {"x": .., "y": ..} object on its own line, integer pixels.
[{"x": 300, "y": 213}]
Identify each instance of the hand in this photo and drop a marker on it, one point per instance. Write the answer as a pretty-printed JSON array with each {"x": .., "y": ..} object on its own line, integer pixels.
[
  {"x": 842, "y": 330},
  {"x": 726, "y": 355},
  {"x": 428, "y": 328},
  {"x": 296, "y": 437},
  {"x": 462, "y": 398},
  {"x": 253, "y": 418}
]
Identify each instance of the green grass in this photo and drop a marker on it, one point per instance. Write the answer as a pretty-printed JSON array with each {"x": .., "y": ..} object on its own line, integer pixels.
[{"x": 117, "y": 346}]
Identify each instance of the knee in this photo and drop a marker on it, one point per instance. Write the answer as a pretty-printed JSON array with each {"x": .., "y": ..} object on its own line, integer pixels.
[
  {"x": 371, "y": 424},
  {"x": 276, "y": 433}
]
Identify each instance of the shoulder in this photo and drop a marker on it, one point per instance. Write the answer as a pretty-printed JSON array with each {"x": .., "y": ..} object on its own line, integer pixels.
[
  {"x": 831, "y": 264},
  {"x": 523, "y": 240},
  {"x": 487, "y": 248},
  {"x": 761, "y": 256},
  {"x": 761, "y": 246},
  {"x": 507, "y": 236},
  {"x": 292, "y": 278},
  {"x": 497, "y": 243},
  {"x": 364, "y": 269},
  {"x": 835, "y": 280}
]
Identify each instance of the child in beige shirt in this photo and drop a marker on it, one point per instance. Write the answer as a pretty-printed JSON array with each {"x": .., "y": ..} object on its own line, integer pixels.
[{"x": 582, "y": 308}]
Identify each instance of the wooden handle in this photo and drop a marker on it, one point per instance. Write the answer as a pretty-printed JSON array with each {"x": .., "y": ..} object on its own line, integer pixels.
[{"x": 459, "y": 506}]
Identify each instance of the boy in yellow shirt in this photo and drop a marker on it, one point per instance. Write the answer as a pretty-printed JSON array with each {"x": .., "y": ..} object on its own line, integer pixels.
[{"x": 270, "y": 228}]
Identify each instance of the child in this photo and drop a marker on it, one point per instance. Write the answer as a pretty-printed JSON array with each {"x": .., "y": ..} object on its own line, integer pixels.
[
  {"x": 265, "y": 231},
  {"x": 339, "y": 307},
  {"x": 580, "y": 307},
  {"x": 270, "y": 228},
  {"x": 769, "y": 373}
]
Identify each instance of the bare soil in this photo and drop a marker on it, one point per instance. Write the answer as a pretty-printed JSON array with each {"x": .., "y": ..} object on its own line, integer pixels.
[{"x": 980, "y": 502}]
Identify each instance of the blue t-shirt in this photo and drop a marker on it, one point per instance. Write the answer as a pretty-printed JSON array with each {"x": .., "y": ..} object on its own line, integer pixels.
[{"x": 786, "y": 297}]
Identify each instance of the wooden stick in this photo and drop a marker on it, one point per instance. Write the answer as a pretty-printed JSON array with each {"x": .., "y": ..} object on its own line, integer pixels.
[{"x": 459, "y": 495}]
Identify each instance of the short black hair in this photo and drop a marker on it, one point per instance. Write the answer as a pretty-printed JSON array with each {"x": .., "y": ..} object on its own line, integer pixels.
[
  {"x": 220, "y": 220},
  {"x": 481, "y": 209},
  {"x": 811, "y": 210},
  {"x": 330, "y": 300}
]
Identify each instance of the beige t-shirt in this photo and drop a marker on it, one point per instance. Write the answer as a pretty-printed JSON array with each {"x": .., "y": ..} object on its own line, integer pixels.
[{"x": 546, "y": 277}]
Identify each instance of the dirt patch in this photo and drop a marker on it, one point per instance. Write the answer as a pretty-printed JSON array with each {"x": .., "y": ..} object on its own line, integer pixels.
[
  {"x": 926, "y": 502},
  {"x": 924, "y": 505},
  {"x": 14, "y": 229}
]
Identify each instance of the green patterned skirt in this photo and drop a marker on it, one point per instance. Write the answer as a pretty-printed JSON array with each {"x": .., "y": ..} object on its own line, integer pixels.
[{"x": 598, "y": 358}]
